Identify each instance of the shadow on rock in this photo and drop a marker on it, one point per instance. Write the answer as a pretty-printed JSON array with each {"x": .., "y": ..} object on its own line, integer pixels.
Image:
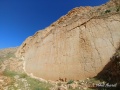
[{"x": 110, "y": 74}]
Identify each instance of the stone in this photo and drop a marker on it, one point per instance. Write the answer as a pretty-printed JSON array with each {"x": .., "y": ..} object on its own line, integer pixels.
[
  {"x": 16, "y": 85},
  {"x": 77, "y": 46}
]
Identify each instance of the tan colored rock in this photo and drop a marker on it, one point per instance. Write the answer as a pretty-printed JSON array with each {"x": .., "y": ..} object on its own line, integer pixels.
[{"x": 76, "y": 46}]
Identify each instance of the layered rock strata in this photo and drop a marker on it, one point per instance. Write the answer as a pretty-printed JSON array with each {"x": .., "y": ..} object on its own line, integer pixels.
[{"x": 76, "y": 46}]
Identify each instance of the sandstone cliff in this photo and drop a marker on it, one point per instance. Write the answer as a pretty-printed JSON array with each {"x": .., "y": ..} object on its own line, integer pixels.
[{"x": 76, "y": 46}]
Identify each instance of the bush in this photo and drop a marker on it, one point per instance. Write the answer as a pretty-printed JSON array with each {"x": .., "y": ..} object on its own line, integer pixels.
[
  {"x": 107, "y": 11},
  {"x": 9, "y": 73},
  {"x": 118, "y": 9},
  {"x": 23, "y": 75},
  {"x": 70, "y": 81}
]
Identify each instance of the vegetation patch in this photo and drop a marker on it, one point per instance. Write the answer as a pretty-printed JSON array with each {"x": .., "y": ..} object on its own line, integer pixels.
[
  {"x": 107, "y": 11},
  {"x": 118, "y": 9},
  {"x": 37, "y": 85},
  {"x": 9, "y": 73},
  {"x": 24, "y": 78},
  {"x": 70, "y": 82}
]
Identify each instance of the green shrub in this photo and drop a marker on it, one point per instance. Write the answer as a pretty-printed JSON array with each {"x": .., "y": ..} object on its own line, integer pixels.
[
  {"x": 23, "y": 75},
  {"x": 118, "y": 9},
  {"x": 9, "y": 73},
  {"x": 107, "y": 11},
  {"x": 70, "y": 81}
]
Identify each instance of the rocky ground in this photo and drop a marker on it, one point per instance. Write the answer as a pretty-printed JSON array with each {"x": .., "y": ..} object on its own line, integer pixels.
[{"x": 13, "y": 77}]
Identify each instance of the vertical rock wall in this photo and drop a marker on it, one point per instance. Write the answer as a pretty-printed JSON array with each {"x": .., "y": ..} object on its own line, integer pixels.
[{"x": 74, "y": 49}]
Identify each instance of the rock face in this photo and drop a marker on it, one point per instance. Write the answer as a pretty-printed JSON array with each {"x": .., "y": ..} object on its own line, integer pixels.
[
  {"x": 76, "y": 46},
  {"x": 111, "y": 71}
]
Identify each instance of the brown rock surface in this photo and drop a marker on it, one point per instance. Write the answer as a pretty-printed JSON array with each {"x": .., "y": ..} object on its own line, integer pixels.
[
  {"x": 111, "y": 71},
  {"x": 76, "y": 46}
]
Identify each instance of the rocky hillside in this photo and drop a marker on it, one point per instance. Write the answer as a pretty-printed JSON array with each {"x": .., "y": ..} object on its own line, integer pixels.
[
  {"x": 12, "y": 75},
  {"x": 3, "y": 52},
  {"x": 76, "y": 46}
]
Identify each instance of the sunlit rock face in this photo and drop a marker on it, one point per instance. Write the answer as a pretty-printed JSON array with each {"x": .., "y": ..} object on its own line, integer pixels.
[{"x": 76, "y": 46}]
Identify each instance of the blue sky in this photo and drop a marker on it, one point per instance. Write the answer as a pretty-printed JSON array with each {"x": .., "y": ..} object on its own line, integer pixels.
[{"x": 22, "y": 18}]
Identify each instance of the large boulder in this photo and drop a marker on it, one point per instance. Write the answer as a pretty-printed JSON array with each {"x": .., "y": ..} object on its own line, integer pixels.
[{"x": 76, "y": 46}]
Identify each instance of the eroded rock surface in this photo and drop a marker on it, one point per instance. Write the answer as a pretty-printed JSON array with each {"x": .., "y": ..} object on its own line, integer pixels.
[{"x": 76, "y": 46}]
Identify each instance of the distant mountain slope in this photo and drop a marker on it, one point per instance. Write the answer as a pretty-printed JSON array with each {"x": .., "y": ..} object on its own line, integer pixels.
[{"x": 7, "y": 50}]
